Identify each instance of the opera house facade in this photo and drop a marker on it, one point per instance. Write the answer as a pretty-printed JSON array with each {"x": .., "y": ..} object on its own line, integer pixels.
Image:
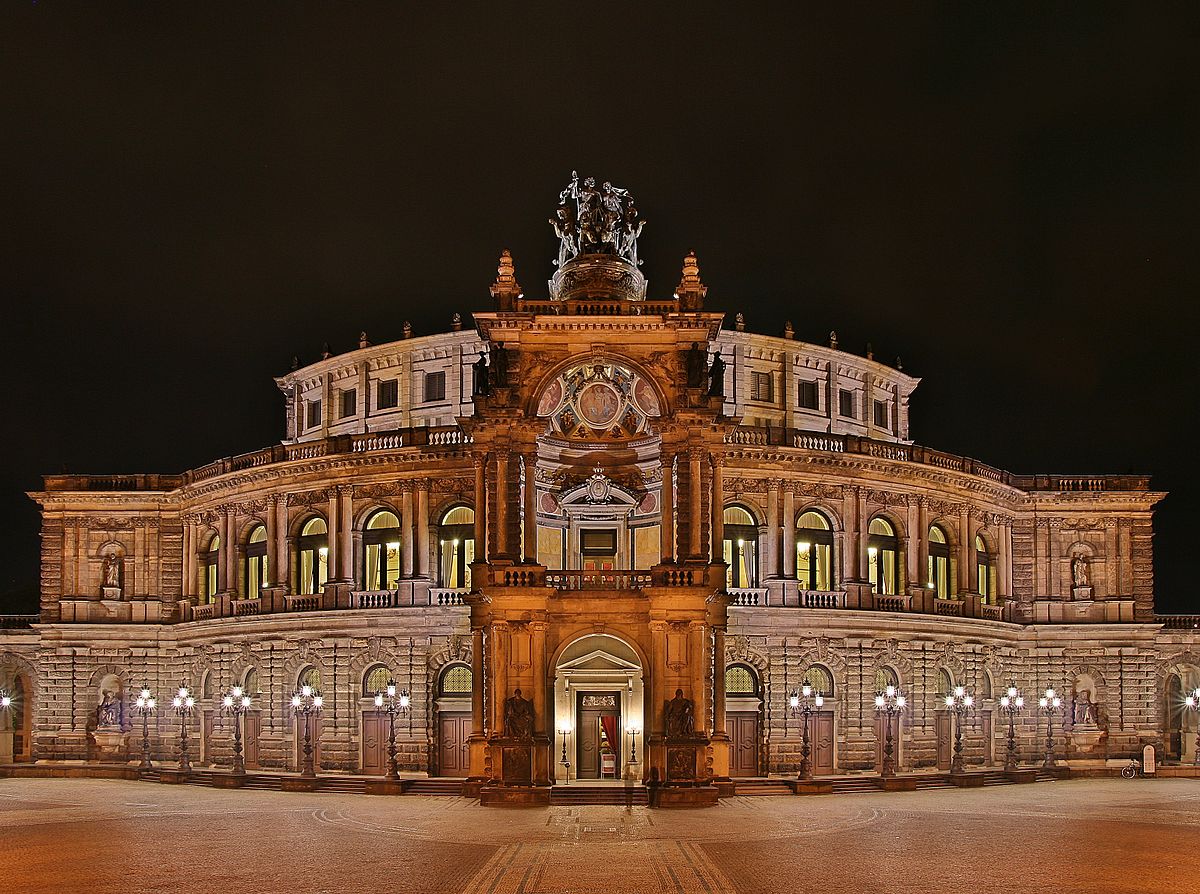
[{"x": 600, "y": 534}]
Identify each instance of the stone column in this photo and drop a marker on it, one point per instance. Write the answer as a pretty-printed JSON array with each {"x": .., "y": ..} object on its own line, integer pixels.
[
  {"x": 501, "y": 506},
  {"x": 718, "y": 681},
  {"x": 788, "y": 529},
  {"x": 1054, "y": 578},
  {"x": 922, "y": 535},
  {"x": 700, "y": 676},
  {"x": 1112, "y": 563},
  {"x": 667, "y": 509},
  {"x": 695, "y": 504},
  {"x": 499, "y": 667},
  {"x": 346, "y": 532},
  {"x": 912, "y": 548},
  {"x": 421, "y": 564},
  {"x": 191, "y": 565},
  {"x": 333, "y": 541},
  {"x": 481, "y": 551},
  {"x": 408, "y": 543},
  {"x": 850, "y": 560},
  {"x": 1004, "y": 548},
  {"x": 477, "y": 721},
  {"x": 718, "y": 509},
  {"x": 529, "y": 534},
  {"x": 228, "y": 553},
  {"x": 771, "y": 551},
  {"x": 281, "y": 576},
  {"x": 272, "y": 541},
  {"x": 538, "y": 657},
  {"x": 966, "y": 546}
]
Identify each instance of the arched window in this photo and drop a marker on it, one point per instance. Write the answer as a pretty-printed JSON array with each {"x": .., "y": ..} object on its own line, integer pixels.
[
  {"x": 381, "y": 551},
  {"x": 939, "y": 563},
  {"x": 985, "y": 685},
  {"x": 456, "y": 547},
  {"x": 983, "y": 570},
  {"x": 256, "y": 563},
  {"x": 206, "y": 686},
  {"x": 814, "y": 551},
  {"x": 885, "y": 677},
  {"x": 212, "y": 561},
  {"x": 250, "y": 683},
  {"x": 820, "y": 679},
  {"x": 314, "y": 555},
  {"x": 945, "y": 684},
  {"x": 376, "y": 679},
  {"x": 741, "y": 681},
  {"x": 741, "y": 548},
  {"x": 310, "y": 676},
  {"x": 882, "y": 551},
  {"x": 456, "y": 681}
]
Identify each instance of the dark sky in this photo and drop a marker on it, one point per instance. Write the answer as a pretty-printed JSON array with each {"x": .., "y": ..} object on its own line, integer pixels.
[{"x": 1006, "y": 197}]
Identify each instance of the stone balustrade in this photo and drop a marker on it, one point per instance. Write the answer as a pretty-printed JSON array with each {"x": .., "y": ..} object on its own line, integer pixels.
[
  {"x": 599, "y": 580},
  {"x": 17, "y": 622}
]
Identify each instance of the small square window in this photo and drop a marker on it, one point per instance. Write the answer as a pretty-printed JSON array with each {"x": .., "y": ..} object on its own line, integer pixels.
[
  {"x": 846, "y": 403},
  {"x": 387, "y": 395},
  {"x": 349, "y": 402},
  {"x": 314, "y": 413},
  {"x": 881, "y": 414},
  {"x": 808, "y": 396},
  {"x": 761, "y": 386},
  {"x": 435, "y": 386}
]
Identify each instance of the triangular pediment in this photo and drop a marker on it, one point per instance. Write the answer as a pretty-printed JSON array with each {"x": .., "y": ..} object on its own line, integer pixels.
[{"x": 599, "y": 660}]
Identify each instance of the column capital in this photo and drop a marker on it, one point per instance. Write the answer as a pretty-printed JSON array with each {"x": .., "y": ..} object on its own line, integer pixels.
[{"x": 422, "y": 485}]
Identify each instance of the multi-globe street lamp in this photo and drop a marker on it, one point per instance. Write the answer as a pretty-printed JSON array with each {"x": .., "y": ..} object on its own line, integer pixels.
[
  {"x": 1012, "y": 703},
  {"x": 185, "y": 706},
  {"x": 236, "y": 703},
  {"x": 1193, "y": 701},
  {"x": 145, "y": 705},
  {"x": 889, "y": 703},
  {"x": 392, "y": 701},
  {"x": 306, "y": 704},
  {"x": 1050, "y": 704},
  {"x": 958, "y": 703},
  {"x": 803, "y": 702}
]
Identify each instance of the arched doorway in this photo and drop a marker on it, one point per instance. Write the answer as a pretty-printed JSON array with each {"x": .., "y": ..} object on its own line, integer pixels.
[
  {"x": 1174, "y": 717},
  {"x": 823, "y": 742},
  {"x": 453, "y": 706},
  {"x": 743, "y": 705},
  {"x": 16, "y": 724},
  {"x": 598, "y": 700}
]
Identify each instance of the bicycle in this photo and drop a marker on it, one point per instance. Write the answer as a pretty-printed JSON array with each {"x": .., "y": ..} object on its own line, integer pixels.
[{"x": 1131, "y": 769}]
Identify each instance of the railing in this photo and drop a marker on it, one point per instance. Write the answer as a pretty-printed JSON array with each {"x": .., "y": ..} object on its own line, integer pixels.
[
  {"x": 891, "y": 603},
  {"x": 946, "y": 607},
  {"x": 367, "y": 443},
  {"x": 374, "y": 599},
  {"x": 448, "y": 437},
  {"x": 204, "y": 612},
  {"x": 448, "y": 596},
  {"x": 682, "y": 577},
  {"x": 748, "y": 596},
  {"x": 1180, "y": 622},
  {"x": 18, "y": 622},
  {"x": 306, "y": 603},
  {"x": 821, "y": 598},
  {"x": 521, "y": 577},
  {"x": 991, "y": 612},
  {"x": 244, "y": 607},
  {"x": 828, "y": 443},
  {"x": 598, "y": 580},
  {"x": 263, "y": 457},
  {"x": 756, "y": 437}
]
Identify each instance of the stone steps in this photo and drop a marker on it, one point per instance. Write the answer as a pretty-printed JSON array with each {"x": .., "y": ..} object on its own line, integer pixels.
[{"x": 584, "y": 795}]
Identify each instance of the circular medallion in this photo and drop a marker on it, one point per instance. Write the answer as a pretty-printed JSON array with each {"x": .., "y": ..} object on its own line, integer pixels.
[
  {"x": 647, "y": 400},
  {"x": 598, "y": 404},
  {"x": 551, "y": 398}
]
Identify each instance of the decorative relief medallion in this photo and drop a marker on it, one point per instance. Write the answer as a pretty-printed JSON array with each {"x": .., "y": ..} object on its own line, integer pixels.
[{"x": 599, "y": 701}]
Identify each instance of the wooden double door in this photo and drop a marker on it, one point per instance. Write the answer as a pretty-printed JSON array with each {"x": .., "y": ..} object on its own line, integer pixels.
[
  {"x": 454, "y": 743},
  {"x": 598, "y": 735}
]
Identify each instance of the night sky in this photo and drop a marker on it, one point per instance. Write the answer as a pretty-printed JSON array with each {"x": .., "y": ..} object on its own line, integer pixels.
[{"x": 1006, "y": 197}]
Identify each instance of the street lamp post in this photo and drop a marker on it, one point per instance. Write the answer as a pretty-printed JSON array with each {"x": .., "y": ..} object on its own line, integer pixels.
[
  {"x": 393, "y": 701},
  {"x": 803, "y": 702},
  {"x": 958, "y": 703},
  {"x": 236, "y": 703},
  {"x": 145, "y": 705},
  {"x": 1049, "y": 704},
  {"x": 1012, "y": 703},
  {"x": 564, "y": 731},
  {"x": 1193, "y": 702},
  {"x": 633, "y": 734},
  {"x": 889, "y": 703},
  {"x": 185, "y": 706},
  {"x": 306, "y": 703}
]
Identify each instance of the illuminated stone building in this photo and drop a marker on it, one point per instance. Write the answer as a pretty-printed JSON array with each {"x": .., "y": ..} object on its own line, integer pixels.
[{"x": 656, "y": 526}]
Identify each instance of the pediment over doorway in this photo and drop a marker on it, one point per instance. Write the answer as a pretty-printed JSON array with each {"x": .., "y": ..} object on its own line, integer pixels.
[{"x": 599, "y": 660}]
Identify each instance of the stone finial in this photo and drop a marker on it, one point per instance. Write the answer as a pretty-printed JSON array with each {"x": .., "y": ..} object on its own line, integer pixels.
[
  {"x": 362, "y": 340},
  {"x": 691, "y": 291},
  {"x": 789, "y": 331},
  {"x": 870, "y": 352},
  {"x": 456, "y": 323},
  {"x": 739, "y": 322},
  {"x": 833, "y": 339},
  {"x": 408, "y": 332},
  {"x": 325, "y": 352},
  {"x": 506, "y": 290},
  {"x": 899, "y": 363},
  {"x": 295, "y": 362}
]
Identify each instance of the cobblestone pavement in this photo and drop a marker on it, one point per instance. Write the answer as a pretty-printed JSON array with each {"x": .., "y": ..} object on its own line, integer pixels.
[{"x": 99, "y": 836}]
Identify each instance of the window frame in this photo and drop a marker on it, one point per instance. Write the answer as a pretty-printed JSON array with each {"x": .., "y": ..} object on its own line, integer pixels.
[
  {"x": 434, "y": 375},
  {"x": 803, "y": 386},
  {"x": 393, "y": 393},
  {"x": 846, "y": 396}
]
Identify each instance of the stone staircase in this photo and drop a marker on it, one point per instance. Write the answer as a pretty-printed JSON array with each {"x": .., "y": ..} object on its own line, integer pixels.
[
  {"x": 754, "y": 788},
  {"x": 576, "y": 795},
  {"x": 446, "y": 788}
]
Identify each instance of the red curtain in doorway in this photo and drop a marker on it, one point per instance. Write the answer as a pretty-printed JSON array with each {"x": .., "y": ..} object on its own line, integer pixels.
[{"x": 609, "y": 722}]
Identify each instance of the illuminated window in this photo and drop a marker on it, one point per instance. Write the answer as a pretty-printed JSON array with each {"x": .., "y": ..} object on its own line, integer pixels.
[
  {"x": 435, "y": 386},
  {"x": 808, "y": 396},
  {"x": 740, "y": 681},
  {"x": 250, "y": 683},
  {"x": 814, "y": 551},
  {"x": 762, "y": 387},
  {"x": 349, "y": 402},
  {"x": 885, "y": 677},
  {"x": 376, "y": 680},
  {"x": 939, "y": 563},
  {"x": 387, "y": 394},
  {"x": 212, "y": 561},
  {"x": 256, "y": 563},
  {"x": 945, "y": 684},
  {"x": 313, "y": 547},
  {"x": 456, "y": 547},
  {"x": 983, "y": 570},
  {"x": 310, "y": 676},
  {"x": 381, "y": 552},
  {"x": 740, "y": 548},
  {"x": 882, "y": 552},
  {"x": 456, "y": 680},
  {"x": 820, "y": 679}
]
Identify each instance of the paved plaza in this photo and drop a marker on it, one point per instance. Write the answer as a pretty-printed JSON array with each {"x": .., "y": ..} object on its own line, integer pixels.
[{"x": 101, "y": 836}]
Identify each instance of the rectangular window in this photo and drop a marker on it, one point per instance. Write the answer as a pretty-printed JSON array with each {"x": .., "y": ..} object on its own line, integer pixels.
[
  {"x": 314, "y": 413},
  {"x": 809, "y": 397},
  {"x": 349, "y": 402},
  {"x": 387, "y": 395},
  {"x": 881, "y": 414},
  {"x": 760, "y": 387},
  {"x": 435, "y": 386},
  {"x": 846, "y": 403}
]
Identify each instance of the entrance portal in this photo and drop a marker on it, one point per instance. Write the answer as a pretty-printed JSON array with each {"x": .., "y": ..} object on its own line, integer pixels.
[{"x": 598, "y": 735}]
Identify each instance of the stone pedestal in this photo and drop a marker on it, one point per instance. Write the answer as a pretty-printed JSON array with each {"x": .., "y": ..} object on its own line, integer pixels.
[
  {"x": 172, "y": 776},
  {"x": 1081, "y": 594},
  {"x": 897, "y": 783},
  {"x": 110, "y": 745},
  {"x": 681, "y": 796},
  {"x": 967, "y": 780},
  {"x": 809, "y": 787},
  {"x": 228, "y": 780},
  {"x": 1022, "y": 775},
  {"x": 519, "y": 774},
  {"x": 385, "y": 787},
  {"x": 1087, "y": 739}
]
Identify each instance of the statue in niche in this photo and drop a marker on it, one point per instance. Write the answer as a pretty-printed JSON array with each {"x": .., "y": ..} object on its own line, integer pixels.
[
  {"x": 1079, "y": 571},
  {"x": 695, "y": 366},
  {"x": 112, "y": 571},
  {"x": 108, "y": 712},
  {"x": 500, "y": 364},
  {"x": 716, "y": 377},
  {"x": 518, "y": 717},
  {"x": 680, "y": 717},
  {"x": 481, "y": 387},
  {"x": 1083, "y": 710}
]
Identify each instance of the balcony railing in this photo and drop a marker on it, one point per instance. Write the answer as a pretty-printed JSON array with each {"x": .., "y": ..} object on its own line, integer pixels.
[
  {"x": 1180, "y": 622},
  {"x": 18, "y": 622},
  {"x": 599, "y": 580},
  {"x": 307, "y": 602}
]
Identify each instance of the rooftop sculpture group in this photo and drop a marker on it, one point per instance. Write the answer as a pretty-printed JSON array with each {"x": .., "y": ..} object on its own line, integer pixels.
[{"x": 596, "y": 220}]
